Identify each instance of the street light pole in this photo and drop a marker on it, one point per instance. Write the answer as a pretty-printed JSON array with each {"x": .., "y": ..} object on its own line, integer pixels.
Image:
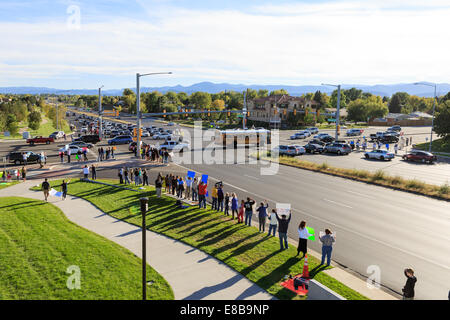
[
  {"x": 144, "y": 202},
  {"x": 337, "y": 107},
  {"x": 434, "y": 106},
  {"x": 100, "y": 112},
  {"x": 138, "y": 108}
]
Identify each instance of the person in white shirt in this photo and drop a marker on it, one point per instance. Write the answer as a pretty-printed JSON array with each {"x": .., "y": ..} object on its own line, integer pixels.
[
  {"x": 303, "y": 236},
  {"x": 86, "y": 171},
  {"x": 273, "y": 222}
]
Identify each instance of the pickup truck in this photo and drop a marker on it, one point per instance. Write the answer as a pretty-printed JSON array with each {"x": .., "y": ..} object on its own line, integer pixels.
[{"x": 40, "y": 139}]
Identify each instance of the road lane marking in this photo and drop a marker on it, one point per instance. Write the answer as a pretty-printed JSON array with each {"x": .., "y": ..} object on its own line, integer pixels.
[
  {"x": 361, "y": 194},
  {"x": 338, "y": 203},
  {"x": 246, "y": 175}
]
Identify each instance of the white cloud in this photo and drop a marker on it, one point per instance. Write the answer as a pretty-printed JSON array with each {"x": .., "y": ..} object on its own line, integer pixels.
[{"x": 347, "y": 42}]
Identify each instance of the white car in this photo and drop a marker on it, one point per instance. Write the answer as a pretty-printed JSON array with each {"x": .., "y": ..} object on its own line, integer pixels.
[
  {"x": 161, "y": 136},
  {"x": 175, "y": 146},
  {"x": 298, "y": 135},
  {"x": 73, "y": 149},
  {"x": 320, "y": 135},
  {"x": 299, "y": 149},
  {"x": 379, "y": 154},
  {"x": 145, "y": 134},
  {"x": 313, "y": 130},
  {"x": 306, "y": 133}
]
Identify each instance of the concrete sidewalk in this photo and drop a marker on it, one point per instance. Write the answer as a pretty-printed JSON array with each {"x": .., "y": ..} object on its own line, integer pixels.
[{"x": 192, "y": 274}]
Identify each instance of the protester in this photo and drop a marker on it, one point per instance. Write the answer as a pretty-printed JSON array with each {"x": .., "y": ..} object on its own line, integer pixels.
[
  {"x": 136, "y": 176},
  {"x": 46, "y": 188},
  {"x": 396, "y": 148},
  {"x": 158, "y": 186},
  {"x": 214, "y": 198},
  {"x": 283, "y": 225},
  {"x": 145, "y": 179},
  {"x": 234, "y": 205},
  {"x": 408, "y": 289},
  {"x": 61, "y": 156},
  {"x": 262, "y": 215},
  {"x": 240, "y": 216},
  {"x": 303, "y": 236},
  {"x": 120, "y": 174},
  {"x": 227, "y": 204},
  {"x": 24, "y": 174},
  {"x": 86, "y": 171},
  {"x": 220, "y": 197},
  {"x": 25, "y": 158},
  {"x": 168, "y": 182},
  {"x": 273, "y": 222},
  {"x": 194, "y": 190},
  {"x": 327, "y": 246},
  {"x": 127, "y": 181},
  {"x": 202, "y": 187},
  {"x": 85, "y": 158},
  {"x": 64, "y": 189},
  {"x": 174, "y": 184},
  {"x": 94, "y": 172},
  {"x": 188, "y": 187},
  {"x": 79, "y": 155},
  {"x": 180, "y": 187},
  {"x": 249, "y": 211}
]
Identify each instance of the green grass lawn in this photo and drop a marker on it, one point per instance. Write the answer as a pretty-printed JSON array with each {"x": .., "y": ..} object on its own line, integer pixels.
[
  {"x": 253, "y": 254},
  {"x": 7, "y": 184},
  {"x": 38, "y": 243},
  {"x": 438, "y": 145},
  {"x": 45, "y": 129}
]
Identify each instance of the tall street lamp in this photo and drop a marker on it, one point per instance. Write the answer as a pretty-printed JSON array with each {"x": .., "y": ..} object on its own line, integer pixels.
[
  {"x": 138, "y": 107},
  {"x": 100, "y": 112},
  {"x": 144, "y": 208},
  {"x": 434, "y": 104},
  {"x": 338, "y": 105}
]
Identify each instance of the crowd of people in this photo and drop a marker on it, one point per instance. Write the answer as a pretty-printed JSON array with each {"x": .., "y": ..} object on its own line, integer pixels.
[{"x": 153, "y": 154}]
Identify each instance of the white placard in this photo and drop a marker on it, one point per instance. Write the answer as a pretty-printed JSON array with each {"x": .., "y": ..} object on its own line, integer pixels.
[{"x": 283, "y": 208}]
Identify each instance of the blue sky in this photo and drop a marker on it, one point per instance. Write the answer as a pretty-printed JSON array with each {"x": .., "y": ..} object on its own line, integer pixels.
[{"x": 84, "y": 44}]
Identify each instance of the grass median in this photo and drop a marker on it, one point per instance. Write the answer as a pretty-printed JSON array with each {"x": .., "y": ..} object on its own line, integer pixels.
[
  {"x": 255, "y": 255},
  {"x": 38, "y": 244},
  {"x": 378, "y": 177}
]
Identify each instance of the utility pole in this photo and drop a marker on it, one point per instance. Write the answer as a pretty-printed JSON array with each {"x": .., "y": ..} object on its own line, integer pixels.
[
  {"x": 337, "y": 111},
  {"x": 244, "y": 111},
  {"x": 144, "y": 207},
  {"x": 138, "y": 116},
  {"x": 100, "y": 112}
]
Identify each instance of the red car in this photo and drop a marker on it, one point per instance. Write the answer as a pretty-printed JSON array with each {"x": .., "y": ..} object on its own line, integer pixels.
[
  {"x": 40, "y": 139},
  {"x": 421, "y": 156}
]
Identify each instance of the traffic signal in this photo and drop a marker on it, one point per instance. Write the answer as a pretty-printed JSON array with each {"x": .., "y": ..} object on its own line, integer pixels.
[
  {"x": 275, "y": 111},
  {"x": 164, "y": 112},
  {"x": 209, "y": 113},
  {"x": 306, "y": 112},
  {"x": 284, "y": 111},
  {"x": 339, "y": 129},
  {"x": 295, "y": 112},
  {"x": 318, "y": 113},
  {"x": 228, "y": 113},
  {"x": 134, "y": 132},
  {"x": 248, "y": 113}
]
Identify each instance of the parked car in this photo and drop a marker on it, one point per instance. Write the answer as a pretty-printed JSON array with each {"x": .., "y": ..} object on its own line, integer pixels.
[
  {"x": 90, "y": 138},
  {"x": 387, "y": 138},
  {"x": 318, "y": 136},
  {"x": 354, "y": 132},
  {"x": 298, "y": 135},
  {"x": 313, "y": 130},
  {"x": 395, "y": 128},
  {"x": 161, "y": 135},
  {"x": 145, "y": 134},
  {"x": 306, "y": 133},
  {"x": 121, "y": 140},
  {"x": 171, "y": 124},
  {"x": 379, "y": 154},
  {"x": 326, "y": 139},
  {"x": 40, "y": 139},
  {"x": 339, "y": 148},
  {"x": 299, "y": 150},
  {"x": 16, "y": 157},
  {"x": 317, "y": 141},
  {"x": 313, "y": 148},
  {"x": 284, "y": 150},
  {"x": 421, "y": 156}
]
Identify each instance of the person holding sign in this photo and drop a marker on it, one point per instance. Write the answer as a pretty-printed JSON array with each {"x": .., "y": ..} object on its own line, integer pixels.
[
  {"x": 327, "y": 245},
  {"x": 303, "y": 236},
  {"x": 283, "y": 225}
]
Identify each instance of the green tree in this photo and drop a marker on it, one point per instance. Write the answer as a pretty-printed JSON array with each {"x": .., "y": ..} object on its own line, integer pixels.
[
  {"x": 442, "y": 120},
  {"x": 398, "y": 101},
  {"x": 11, "y": 124},
  {"x": 262, "y": 93},
  {"x": 201, "y": 100},
  {"x": 34, "y": 120},
  {"x": 333, "y": 100},
  {"x": 278, "y": 92}
]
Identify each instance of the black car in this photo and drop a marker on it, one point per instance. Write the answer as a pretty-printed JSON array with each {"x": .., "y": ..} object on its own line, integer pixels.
[
  {"x": 395, "y": 128},
  {"x": 17, "y": 157},
  {"x": 388, "y": 139},
  {"x": 91, "y": 138},
  {"x": 317, "y": 141},
  {"x": 313, "y": 148},
  {"x": 327, "y": 139}
]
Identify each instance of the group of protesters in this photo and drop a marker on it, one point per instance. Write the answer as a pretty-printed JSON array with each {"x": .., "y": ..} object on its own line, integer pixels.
[
  {"x": 9, "y": 175},
  {"x": 106, "y": 154},
  {"x": 129, "y": 175},
  {"x": 151, "y": 153}
]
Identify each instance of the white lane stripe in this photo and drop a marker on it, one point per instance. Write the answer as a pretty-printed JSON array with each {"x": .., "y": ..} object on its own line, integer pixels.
[
  {"x": 346, "y": 229},
  {"x": 246, "y": 175},
  {"x": 338, "y": 203},
  {"x": 361, "y": 194}
]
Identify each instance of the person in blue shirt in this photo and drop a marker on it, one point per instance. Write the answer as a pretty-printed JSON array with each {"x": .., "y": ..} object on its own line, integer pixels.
[
  {"x": 262, "y": 215},
  {"x": 234, "y": 205},
  {"x": 220, "y": 198}
]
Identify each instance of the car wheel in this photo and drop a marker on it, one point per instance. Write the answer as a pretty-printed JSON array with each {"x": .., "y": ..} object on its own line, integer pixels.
[
  {"x": 16, "y": 162},
  {"x": 367, "y": 156},
  {"x": 339, "y": 152},
  {"x": 47, "y": 142},
  {"x": 423, "y": 160},
  {"x": 381, "y": 158}
]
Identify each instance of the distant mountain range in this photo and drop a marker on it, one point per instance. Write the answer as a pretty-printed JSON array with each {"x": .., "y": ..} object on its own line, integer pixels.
[{"x": 381, "y": 90}]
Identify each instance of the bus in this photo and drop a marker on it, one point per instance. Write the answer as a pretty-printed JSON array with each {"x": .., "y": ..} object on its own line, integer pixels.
[{"x": 248, "y": 137}]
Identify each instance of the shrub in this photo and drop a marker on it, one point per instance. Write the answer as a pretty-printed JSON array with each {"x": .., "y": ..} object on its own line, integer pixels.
[
  {"x": 415, "y": 184},
  {"x": 444, "y": 189},
  {"x": 378, "y": 175},
  {"x": 324, "y": 166},
  {"x": 396, "y": 180}
]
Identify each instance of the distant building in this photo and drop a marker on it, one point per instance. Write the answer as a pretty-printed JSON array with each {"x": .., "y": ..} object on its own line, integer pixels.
[{"x": 271, "y": 109}]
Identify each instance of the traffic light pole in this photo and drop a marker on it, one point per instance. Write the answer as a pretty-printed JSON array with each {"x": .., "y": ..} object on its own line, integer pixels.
[{"x": 138, "y": 116}]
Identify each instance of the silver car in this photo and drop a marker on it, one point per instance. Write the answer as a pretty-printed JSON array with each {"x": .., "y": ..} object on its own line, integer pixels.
[{"x": 379, "y": 154}]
